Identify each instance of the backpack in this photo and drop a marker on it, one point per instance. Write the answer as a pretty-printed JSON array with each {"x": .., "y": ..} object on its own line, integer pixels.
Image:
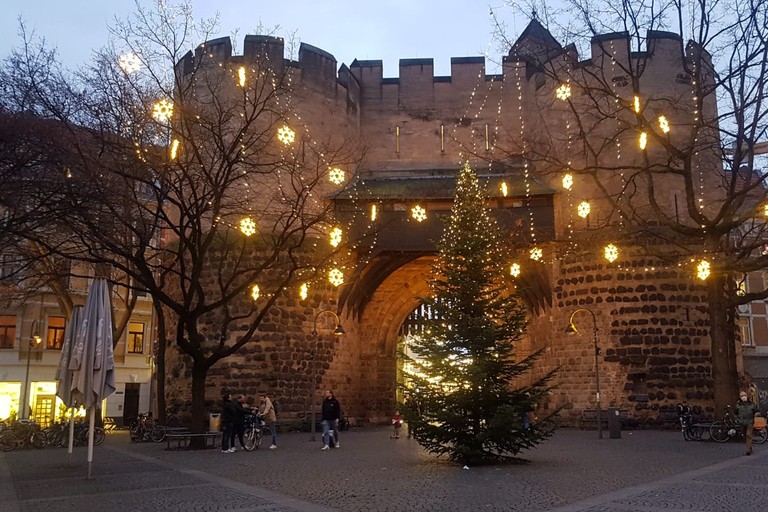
[{"x": 275, "y": 408}]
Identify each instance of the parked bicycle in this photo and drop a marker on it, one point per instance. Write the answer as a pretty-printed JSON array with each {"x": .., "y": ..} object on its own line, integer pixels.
[
  {"x": 144, "y": 429},
  {"x": 253, "y": 434},
  {"x": 722, "y": 431},
  {"x": 21, "y": 434}
]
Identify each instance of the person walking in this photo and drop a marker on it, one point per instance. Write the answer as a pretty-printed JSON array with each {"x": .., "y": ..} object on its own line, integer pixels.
[
  {"x": 330, "y": 414},
  {"x": 268, "y": 415},
  {"x": 239, "y": 421},
  {"x": 227, "y": 425},
  {"x": 745, "y": 418}
]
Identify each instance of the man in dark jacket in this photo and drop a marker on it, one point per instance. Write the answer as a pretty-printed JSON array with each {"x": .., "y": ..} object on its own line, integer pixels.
[
  {"x": 331, "y": 415},
  {"x": 745, "y": 418},
  {"x": 239, "y": 421},
  {"x": 227, "y": 425}
]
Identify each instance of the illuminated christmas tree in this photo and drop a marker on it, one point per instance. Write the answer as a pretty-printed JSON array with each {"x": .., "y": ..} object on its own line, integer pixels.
[{"x": 467, "y": 395}]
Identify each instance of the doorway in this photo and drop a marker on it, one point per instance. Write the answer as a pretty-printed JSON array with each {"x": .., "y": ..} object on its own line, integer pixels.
[{"x": 131, "y": 402}]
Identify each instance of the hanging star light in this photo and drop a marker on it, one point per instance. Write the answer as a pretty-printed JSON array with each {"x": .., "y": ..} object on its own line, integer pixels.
[
  {"x": 286, "y": 135},
  {"x": 69, "y": 175},
  {"x": 336, "y": 176},
  {"x": 637, "y": 104},
  {"x": 563, "y": 92},
  {"x": 375, "y": 212},
  {"x": 255, "y": 292},
  {"x": 174, "y": 149},
  {"x": 584, "y": 209},
  {"x": 703, "y": 270},
  {"x": 536, "y": 254},
  {"x": 504, "y": 189},
  {"x": 336, "y": 277},
  {"x": 611, "y": 252},
  {"x": 418, "y": 213},
  {"x": 129, "y": 63},
  {"x": 643, "y": 142},
  {"x": 664, "y": 124},
  {"x": 335, "y": 236},
  {"x": 304, "y": 291},
  {"x": 514, "y": 270},
  {"x": 162, "y": 111},
  {"x": 765, "y": 211},
  {"x": 248, "y": 226},
  {"x": 568, "y": 181},
  {"x": 241, "y": 76}
]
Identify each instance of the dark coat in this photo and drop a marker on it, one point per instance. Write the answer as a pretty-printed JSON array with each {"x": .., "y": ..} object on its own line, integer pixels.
[
  {"x": 331, "y": 409},
  {"x": 239, "y": 418},
  {"x": 228, "y": 413}
]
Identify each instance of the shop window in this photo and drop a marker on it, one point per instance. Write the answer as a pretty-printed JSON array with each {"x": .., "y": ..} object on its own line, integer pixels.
[
  {"x": 56, "y": 325},
  {"x": 7, "y": 331},
  {"x": 9, "y": 401},
  {"x": 136, "y": 338}
]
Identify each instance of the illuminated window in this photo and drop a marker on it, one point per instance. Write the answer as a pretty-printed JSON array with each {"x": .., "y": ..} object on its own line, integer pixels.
[
  {"x": 56, "y": 325},
  {"x": 135, "y": 338},
  {"x": 7, "y": 331}
]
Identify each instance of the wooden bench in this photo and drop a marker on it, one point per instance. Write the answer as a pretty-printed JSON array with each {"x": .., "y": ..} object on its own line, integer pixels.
[
  {"x": 589, "y": 418},
  {"x": 183, "y": 439}
]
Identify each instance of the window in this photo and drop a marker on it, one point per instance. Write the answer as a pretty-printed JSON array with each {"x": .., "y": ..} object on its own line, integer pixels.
[
  {"x": 7, "y": 331},
  {"x": 135, "y": 338},
  {"x": 56, "y": 326}
]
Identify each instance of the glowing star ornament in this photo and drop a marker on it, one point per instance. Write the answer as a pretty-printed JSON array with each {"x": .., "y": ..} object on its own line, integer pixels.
[
  {"x": 765, "y": 208},
  {"x": 255, "y": 292},
  {"x": 504, "y": 189},
  {"x": 174, "y": 149},
  {"x": 248, "y": 226},
  {"x": 162, "y": 111},
  {"x": 703, "y": 270},
  {"x": 643, "y": 142},
  {"x": 536, "y": 254},
  {"x": 637, "y": 104},
  {"x": 418, "y": 213},
  {"x": 663, "y": 124},
  {"x": 335, "y": 236},
  {"x": 568, "y": 181},
  {"x": 241, "y": 76},
  {"x": 286, "y": 135},
  {"x": 129, "y": 63},
  {"x": 336, "y": 176},
  {"x": 514, "y": 270},
  {"x": 336, "y": 277},
  {"x": 583, "y": 209},
  {"x": 304, "y": 291},
  {"x": 611, "y": 252},
  {"x": 563, "y": 92},
  {"x": 375, "y": 212}
]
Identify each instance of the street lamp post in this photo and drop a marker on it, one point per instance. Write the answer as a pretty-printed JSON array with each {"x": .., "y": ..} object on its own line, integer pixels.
[
  {"x": 338, "y": 331},
  {"x": 34, "y": 341},
  {"x": 571, "y": 329}
]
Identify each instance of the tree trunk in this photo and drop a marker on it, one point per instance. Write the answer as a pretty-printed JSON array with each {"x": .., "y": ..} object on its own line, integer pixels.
[
  {"x": 160, "y": 362},
  {"x": 721, "y": 332},
  {"x": 199, "y": 421}
]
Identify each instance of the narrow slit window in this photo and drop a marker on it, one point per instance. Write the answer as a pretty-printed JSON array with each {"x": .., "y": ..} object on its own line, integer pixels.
[
  {"x": 397, "y": 139},
  {"x": 442, "y": 137},
  {"x": 487, "y": 139}
]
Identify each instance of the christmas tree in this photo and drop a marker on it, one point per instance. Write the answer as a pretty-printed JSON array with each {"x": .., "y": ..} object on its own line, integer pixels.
[{"x": 466, "y": 394}]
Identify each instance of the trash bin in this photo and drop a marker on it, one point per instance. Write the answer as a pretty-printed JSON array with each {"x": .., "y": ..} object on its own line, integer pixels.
[
  {"x": 614, "y": 423},
  {"x": 214, "y": 422}
]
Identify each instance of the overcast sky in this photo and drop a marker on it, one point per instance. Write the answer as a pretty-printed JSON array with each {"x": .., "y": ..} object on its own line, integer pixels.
[{"x": 388, "y": 30}]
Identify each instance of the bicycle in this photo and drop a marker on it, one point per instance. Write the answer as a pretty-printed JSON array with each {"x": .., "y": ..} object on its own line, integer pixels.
[
  {"x": 20, "y": 435},
  {"x": 143, "y": 429},
  {"x": 722, "y": 431},
  {"x": 252, "y": 435}
]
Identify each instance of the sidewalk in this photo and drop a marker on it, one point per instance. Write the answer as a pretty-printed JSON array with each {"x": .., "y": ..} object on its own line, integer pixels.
[{"x": 40, "y": 480}]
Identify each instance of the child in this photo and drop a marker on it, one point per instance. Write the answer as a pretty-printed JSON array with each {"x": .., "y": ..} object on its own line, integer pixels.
[{"x": 397, "y": 422}]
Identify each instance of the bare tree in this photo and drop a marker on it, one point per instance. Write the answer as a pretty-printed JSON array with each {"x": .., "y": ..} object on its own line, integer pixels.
[{"x": 691, "y": 119}]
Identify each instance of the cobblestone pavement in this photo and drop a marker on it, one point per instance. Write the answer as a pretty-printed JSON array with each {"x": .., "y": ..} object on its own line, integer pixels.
[{"x": 645, "y": 471}]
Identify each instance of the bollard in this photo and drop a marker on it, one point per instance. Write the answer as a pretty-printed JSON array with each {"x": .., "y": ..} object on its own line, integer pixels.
[{"x": 614, "y": 423}]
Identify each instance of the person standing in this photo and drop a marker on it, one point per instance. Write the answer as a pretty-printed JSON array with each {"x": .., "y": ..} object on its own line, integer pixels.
[
  {"x": 330, "y": 414},
  {"x": 239, "y": 421},
  {"x": 745, "y": 418},
  {"x": 268, "y": 415},
  {"x": 227, "y": 425}
]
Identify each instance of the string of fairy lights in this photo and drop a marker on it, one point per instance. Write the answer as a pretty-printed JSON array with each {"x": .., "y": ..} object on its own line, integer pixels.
[{"x": 162, "y": 111}]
